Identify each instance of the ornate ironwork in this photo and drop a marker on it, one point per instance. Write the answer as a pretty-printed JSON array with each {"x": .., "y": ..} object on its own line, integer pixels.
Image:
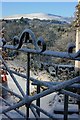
[
  {"x": 27, "y": 37},
  {"x": 70, "y": 50}
]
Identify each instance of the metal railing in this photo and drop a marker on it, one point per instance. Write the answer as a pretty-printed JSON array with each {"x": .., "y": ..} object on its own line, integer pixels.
[{"x": 27, "y": 37}]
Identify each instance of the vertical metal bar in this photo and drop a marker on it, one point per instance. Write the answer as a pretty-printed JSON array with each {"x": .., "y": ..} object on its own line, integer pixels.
[
  {"x": 34, "y": 112},
  {"x": 65, "y": 107},
  {"x": 78, "y": 102},
  {"x": 38, "y": 100},
  {"x": 27, "y": 82}
]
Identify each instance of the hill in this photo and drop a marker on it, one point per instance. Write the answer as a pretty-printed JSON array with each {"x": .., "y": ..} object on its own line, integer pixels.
[
  {"x": 56, "y": 33},
  {"x": 41, "y": 16}
]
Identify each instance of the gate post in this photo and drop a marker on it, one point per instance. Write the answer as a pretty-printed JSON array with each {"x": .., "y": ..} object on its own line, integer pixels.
[
  {"x": 77, "y": 63},
  {"x": 0, "y": 80},
  {"x": 77, "y": 25}
]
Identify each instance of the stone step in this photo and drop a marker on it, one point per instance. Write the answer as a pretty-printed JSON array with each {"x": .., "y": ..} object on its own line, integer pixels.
[
  {"x": 3, "y": 106},
  {"x": 69, "y": 111},
  {"x": 71, "y": 108},
  {"x": 73, "y": 113},
  {"x": 70, "y": 117},
  {"x": 13, "y": 114}
]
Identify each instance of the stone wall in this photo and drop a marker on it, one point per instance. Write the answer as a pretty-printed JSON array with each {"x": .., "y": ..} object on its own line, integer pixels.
[{"x": 62, "y": 72}]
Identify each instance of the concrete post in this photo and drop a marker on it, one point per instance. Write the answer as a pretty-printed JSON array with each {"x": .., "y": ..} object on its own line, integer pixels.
[
  {"x": 0, "y": 79},
  {"x": 77, "y": 63}
]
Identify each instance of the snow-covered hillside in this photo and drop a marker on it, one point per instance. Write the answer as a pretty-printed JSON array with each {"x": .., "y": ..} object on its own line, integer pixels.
[{"x": 41, "y": 16}]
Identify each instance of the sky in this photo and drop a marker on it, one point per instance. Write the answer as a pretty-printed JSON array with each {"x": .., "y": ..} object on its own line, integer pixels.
[{"x": 65, "y": 9}]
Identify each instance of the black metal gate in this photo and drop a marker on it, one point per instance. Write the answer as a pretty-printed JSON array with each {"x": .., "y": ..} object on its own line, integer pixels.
[{"x": 27, "y": 37}]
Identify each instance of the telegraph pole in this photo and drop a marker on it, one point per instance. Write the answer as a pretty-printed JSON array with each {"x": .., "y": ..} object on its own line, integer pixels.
[{"x": 77, "y": 63}]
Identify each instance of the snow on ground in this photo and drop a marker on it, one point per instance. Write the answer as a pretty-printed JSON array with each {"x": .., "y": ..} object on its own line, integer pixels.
[{"x": 46, "y": 102}]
